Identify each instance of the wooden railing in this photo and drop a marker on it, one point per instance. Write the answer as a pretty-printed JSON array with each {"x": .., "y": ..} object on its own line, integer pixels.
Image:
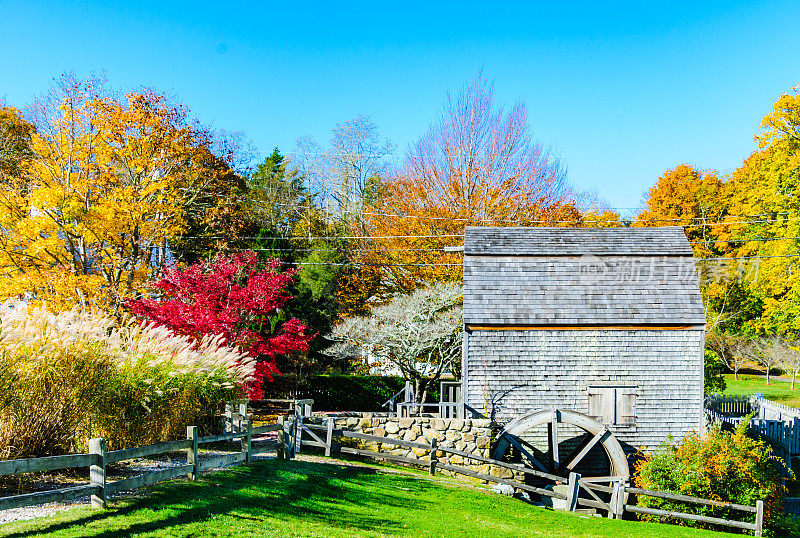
[
  {"x": 290, "y": 440},
  {"x": 729, "y": 406},
  {"x": 97, "y": 460},
  {"x": 757, "y": 527},
  {"x": 239, "y": 410},
  {"x": 324, "y": 436},
  {"x": 443, "y": 409}
]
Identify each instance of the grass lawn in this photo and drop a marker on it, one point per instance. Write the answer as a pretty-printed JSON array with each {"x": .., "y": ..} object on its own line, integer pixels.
[
  {"x": 777, "y": 391},
  {"x": 297, "y": 498}
]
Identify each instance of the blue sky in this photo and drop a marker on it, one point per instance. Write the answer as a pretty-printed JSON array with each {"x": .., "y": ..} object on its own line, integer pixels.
[{"x": 622, "y": 92}]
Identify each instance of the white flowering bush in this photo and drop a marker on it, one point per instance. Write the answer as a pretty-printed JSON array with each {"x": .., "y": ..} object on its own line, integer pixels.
[
  {"x": 419, "y": 333},
  {"x": 67, "y": 377}
]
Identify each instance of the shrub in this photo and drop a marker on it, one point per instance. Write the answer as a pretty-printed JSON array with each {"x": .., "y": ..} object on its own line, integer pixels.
[
  {"x": 713, "y": 380},
  {"x": 343, "y": 392},
  {"x": 71, "y": 376},
  {"x": 718, "y": 465},
  {"x": 43, "y": 404},
  {"x": 239, "y": 297}
]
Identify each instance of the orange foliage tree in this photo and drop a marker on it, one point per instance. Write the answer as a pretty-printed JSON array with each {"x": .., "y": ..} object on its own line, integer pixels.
[
  {"x": 478, "y": 165},
  {"x": 686, "y": 196}
]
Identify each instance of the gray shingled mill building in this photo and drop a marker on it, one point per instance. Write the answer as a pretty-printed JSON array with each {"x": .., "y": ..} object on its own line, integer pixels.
[{"x": 605, "y": 322}]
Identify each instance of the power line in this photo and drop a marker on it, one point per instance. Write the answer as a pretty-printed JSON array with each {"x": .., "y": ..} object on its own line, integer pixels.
[
  {"x": 750, "y": 257},
  {"x": 437, "y": 250},
  {"x": 450, "y": 236},
  {"x": 359, "y": 264},
  {"x": 387, "y": 264},
  {"x": 331, "y": 237},
  {"x": 745, "y": 240},
  {"x": 552, "y": 221}
]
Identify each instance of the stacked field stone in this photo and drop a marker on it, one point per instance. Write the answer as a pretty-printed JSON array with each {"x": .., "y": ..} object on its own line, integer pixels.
[{"x": 467, "y": 435}]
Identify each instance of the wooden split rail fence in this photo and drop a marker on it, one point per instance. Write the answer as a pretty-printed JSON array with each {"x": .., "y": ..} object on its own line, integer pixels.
[
  {"x": 618, "y": 492},
  {"x": 97, "y": 460},
  {"x": 289, "y": 441}
]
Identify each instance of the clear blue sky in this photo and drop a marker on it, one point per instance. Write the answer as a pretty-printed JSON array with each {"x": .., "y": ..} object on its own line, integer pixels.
[{"x": 621, "y": 93}]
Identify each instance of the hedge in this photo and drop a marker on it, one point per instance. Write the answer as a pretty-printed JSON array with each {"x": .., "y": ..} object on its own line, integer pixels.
[{"x": 342, "y": 392}]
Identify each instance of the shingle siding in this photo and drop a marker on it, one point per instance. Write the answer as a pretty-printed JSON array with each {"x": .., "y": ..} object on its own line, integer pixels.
[
  {"x": 510, "y": 290},
  {"x": 513, "y": 372}
]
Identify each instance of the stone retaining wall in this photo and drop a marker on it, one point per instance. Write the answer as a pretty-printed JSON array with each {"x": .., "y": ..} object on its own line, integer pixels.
[{"x": 467, "y": 435}]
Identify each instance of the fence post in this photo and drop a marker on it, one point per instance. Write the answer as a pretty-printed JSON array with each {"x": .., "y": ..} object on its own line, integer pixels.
[
  {"x": 612, "y": 503},
  {"x": 281, "y": 440},
  {"x": 617, "y": 501},
  {"x": 288, "y": 439},
  {"x": 796, "y": 436},
  {"x": 191, "y": 456},
  {"x": 433, "y": 457},
  {"x": 247, "y": 440},
  {"x": 572, "y": 492},
  {"x": 329, "y": 437},
  {"x": 242, "y": 410},
  {"x": 297, "y": 443},
  {"x": 759, "y": 518},
  {"x": 228, "y": 426},
  {"x": 97, "y": 471}
]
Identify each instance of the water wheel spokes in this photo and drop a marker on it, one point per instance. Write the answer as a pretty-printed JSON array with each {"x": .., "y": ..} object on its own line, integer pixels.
[
  {"x": 569, "y": 432},
  {"x": 518, "y": 444},
  {"x": 587, "y": 443}
]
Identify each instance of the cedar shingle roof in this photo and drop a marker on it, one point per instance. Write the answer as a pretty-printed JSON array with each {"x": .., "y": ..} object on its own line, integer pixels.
[
  {"x": 577, "y": 276},
  {"x": 669, "y": 241}
]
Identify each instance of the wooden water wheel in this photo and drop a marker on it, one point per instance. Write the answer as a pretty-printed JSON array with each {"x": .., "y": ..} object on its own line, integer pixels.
[{"x": 560, "y": 441}]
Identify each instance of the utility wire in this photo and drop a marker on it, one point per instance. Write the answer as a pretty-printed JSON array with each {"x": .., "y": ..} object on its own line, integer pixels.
[
  {"x": 386, "y": 264},
  {"x": 543, "y": 221},
  {"x": 757, "y": 239},
  {"x": 383, "y": 237}
]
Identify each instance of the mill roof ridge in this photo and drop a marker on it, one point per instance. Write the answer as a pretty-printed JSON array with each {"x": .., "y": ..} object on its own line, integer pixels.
[
  {"x": 543, "y": 276},
  {"x": 550, "y": 241}
]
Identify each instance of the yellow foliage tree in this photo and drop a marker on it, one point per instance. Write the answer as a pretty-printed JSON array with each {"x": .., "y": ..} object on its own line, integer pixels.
[
  {"x": 765, "y": 187},
  {"x": 102, "y": 189}
]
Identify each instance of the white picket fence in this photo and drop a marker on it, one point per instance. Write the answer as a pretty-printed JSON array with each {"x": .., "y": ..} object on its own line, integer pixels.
[{"x": 776, "y": 423}]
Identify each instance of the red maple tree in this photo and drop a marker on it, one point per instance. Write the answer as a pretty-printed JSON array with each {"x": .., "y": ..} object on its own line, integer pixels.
[{"x": 240, "y": 297}]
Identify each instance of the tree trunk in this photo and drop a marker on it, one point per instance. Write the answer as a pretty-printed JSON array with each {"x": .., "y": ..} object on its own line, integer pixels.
[{"x": 794, "y": 374}]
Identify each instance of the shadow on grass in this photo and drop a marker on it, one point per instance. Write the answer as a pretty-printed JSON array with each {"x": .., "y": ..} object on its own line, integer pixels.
[{"x": 347, "y": 497}]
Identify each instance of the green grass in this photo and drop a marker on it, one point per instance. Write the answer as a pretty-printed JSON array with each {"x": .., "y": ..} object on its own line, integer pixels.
[
  {"x": 777, "y": 391},
  {"x": 297, "y": 498}
]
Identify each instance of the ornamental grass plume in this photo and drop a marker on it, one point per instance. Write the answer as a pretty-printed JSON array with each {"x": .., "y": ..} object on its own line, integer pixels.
[
  {"x": 125, "y": 343},
  {"x": 74, "y": 375}
]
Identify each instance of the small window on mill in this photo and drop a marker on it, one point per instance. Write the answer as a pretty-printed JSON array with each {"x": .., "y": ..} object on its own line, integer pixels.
[{"x": 613, "y": 405}]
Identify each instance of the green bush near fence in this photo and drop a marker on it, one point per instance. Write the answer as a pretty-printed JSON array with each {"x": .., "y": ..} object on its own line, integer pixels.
[
  {"x": 719, "y": 465},
  {"x": 343, "y": 392}
]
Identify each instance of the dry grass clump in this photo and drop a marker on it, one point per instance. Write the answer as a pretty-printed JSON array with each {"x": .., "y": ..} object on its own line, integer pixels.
[{"x": 67, "y": 377}]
